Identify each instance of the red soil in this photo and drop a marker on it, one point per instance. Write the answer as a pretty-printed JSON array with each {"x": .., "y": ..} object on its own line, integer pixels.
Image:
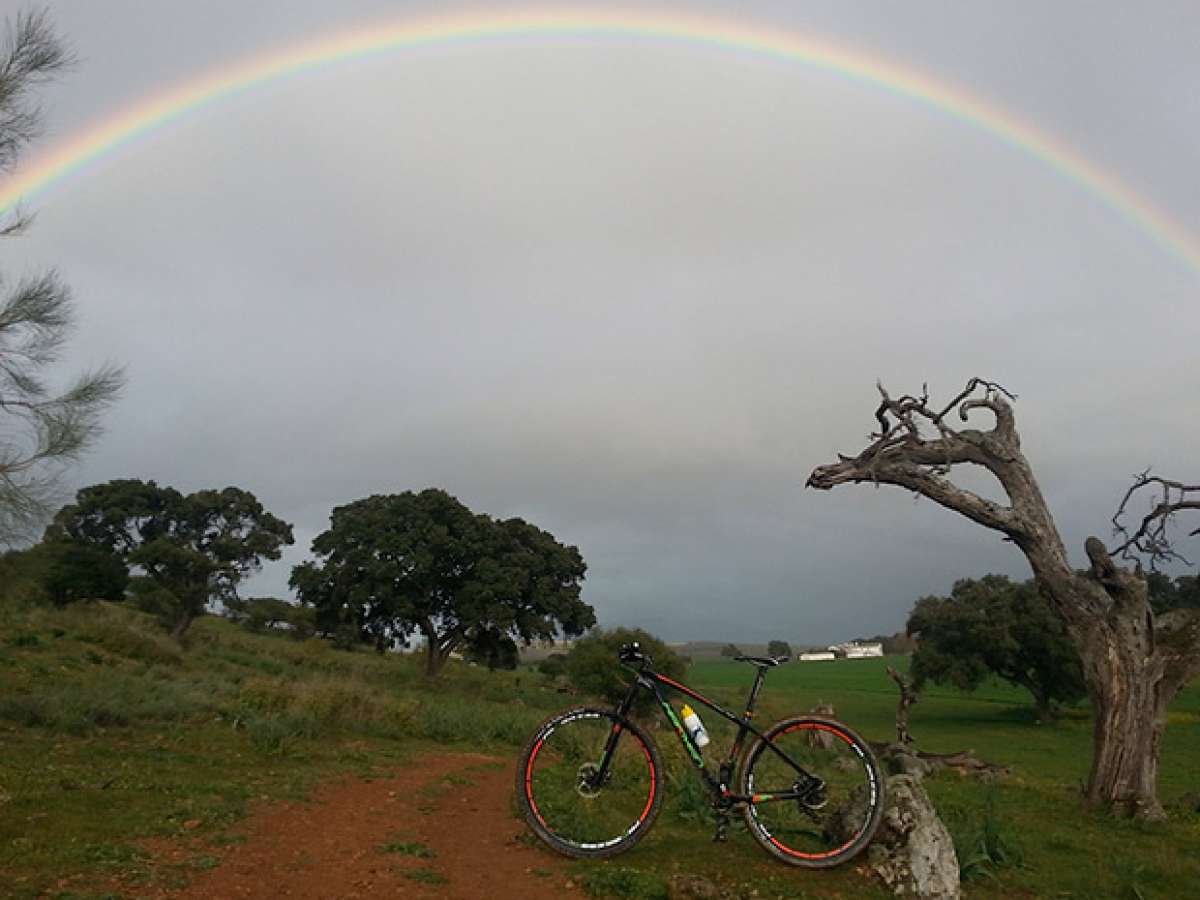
[{"x": 332, "y": 845}]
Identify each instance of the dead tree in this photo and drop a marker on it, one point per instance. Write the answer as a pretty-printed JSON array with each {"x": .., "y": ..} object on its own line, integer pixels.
[
  {"x": 965, "y": 762},
  {"x": 907, "y": 698},
  {"x": 1134, "y": 662}
]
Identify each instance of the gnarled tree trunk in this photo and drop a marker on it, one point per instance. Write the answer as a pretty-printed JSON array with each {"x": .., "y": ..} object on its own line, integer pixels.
[
  {"x": 1134, "y": 662},
  {"x": 1124, "y": 673}
]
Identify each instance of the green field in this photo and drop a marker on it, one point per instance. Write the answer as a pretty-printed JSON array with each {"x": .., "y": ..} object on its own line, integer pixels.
[
  {"x": 1066, "y": 849},
  {"x": 112, "y": 733}
]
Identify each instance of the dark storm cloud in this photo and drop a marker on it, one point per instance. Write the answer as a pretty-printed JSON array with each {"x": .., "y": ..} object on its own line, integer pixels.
[{"x": 633, "y": 293}]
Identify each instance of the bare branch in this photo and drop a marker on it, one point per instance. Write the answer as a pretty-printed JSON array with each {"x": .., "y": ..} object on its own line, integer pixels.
[
  {"x": 901, "y": 454},
  {"x": 1151, "y": 539},
  {"x": 907, "y": 698}
]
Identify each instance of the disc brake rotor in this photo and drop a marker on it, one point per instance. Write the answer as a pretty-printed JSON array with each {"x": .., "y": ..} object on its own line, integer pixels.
[{"x": 585, "y": 781}]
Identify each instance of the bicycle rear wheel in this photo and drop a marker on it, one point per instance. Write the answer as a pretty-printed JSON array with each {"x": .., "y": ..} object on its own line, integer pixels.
[
  {"x": 569, "y": 803},
  {"x": 829, "y": 810}
]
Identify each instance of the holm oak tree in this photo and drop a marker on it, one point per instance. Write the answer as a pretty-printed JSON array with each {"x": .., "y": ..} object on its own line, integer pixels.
[
  {"x": 186, "y": 550},
  {"x": 992, "y": 625},
  {"x": 391, "y": 566}
]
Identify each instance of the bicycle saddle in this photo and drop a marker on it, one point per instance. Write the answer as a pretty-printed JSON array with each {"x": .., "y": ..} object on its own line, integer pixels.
[{"x": 762, "y": 661}]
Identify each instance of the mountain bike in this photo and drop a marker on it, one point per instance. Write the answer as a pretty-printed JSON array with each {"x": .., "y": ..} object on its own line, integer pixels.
[{"x": 590, "y": 781}]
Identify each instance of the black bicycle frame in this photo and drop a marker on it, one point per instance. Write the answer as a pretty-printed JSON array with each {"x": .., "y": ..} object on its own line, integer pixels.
[{"x": 648, "y": 679}]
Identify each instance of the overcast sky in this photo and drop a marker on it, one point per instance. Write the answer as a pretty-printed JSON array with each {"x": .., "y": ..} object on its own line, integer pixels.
[{"x": 634, "y": 291}]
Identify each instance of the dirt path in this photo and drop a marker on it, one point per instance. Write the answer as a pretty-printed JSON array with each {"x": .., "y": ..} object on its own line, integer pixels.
[{"x": 442, "y": 829}]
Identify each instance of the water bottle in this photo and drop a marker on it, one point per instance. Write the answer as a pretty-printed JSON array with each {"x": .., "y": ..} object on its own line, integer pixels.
[{"x": 695, "y": 728}]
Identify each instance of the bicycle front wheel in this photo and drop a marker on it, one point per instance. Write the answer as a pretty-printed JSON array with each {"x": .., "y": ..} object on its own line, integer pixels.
[
  {"x": 816, "y": 792},
  {"x": 589, "y": 783}
]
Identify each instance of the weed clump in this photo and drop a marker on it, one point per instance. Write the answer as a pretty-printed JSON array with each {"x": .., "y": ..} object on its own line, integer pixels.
[{"x": 983, "y": 842}]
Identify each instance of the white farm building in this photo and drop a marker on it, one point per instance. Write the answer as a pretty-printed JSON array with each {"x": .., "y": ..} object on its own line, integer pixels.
[{"x": 855, "y": 650}]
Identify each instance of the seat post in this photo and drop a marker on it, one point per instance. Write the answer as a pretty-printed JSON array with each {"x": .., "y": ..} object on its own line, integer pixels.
[{"x": 760, "y": 674}]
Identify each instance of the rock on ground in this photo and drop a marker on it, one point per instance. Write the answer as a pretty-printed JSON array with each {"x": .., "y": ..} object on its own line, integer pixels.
[{"x": 913, "y": 853}]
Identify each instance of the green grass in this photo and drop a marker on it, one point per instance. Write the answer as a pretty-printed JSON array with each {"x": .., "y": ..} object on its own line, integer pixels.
[
  {"x": 624, "y": 881},
  {"x": 409, "y": 848},
  {"x": 112, "y": 733},
  {"x": 101, "y": 712},
  {"x": 425, "y": 876},
  {"x": 1028, "y": 833}
]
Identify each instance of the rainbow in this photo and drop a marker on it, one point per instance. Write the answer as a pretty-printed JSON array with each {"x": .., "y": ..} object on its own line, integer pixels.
[{"x": 77, "y": 153}]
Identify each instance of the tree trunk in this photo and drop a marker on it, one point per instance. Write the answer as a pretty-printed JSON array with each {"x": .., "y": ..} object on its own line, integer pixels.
[
  {"x": 182, "y": 623},
  {"x": 1043, "y": 707},
  {"x": 1129, "y": 715},
  {"x": 434, "y": 660},
  {"x": 438, "y": 647},
  {"x": 1124, "y": 672}
]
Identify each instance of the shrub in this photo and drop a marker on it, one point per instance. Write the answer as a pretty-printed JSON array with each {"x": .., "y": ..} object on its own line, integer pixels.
[
  {"x": 553, "y": 665},
  {"x": 263, "y": 614},
  {"x": 21, "y": 578},
  {"x": 594, "y": 668}
]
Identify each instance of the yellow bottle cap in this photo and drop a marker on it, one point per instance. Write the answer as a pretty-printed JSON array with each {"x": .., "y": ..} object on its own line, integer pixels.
[{"x": 687, "y": 710}]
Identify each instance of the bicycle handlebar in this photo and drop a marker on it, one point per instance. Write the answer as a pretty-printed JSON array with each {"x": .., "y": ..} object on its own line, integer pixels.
[{"x": 632, "y": 653}]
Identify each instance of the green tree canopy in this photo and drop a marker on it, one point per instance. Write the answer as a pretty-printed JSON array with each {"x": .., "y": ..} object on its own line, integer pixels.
[
  {"x": 779, "y": 648},
  {"x": 494, "y": 649},
  {"x": 74, "y": 571},
  {"x": 391, "y": 566},
  {"x": 62, "y": 572},
  {"x": 186, "y": 550},
  {"x": 1166, "y": 595},
  {"x": 992, "y": 625}
]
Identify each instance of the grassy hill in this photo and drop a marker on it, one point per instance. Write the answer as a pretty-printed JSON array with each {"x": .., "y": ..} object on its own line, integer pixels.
[{"x": 113, "y": 734}]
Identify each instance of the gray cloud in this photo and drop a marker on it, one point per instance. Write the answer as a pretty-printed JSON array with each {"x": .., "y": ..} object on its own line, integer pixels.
[{"x": 633, "y": 292}]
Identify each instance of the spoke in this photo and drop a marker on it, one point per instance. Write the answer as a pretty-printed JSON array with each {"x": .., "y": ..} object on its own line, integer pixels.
[
  {"x": 825, "y": 815},
  {"x": 563, "y": 788}
]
